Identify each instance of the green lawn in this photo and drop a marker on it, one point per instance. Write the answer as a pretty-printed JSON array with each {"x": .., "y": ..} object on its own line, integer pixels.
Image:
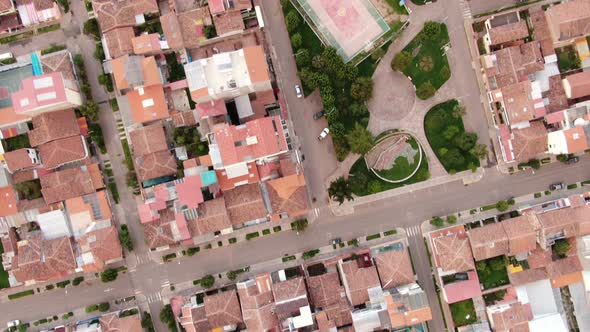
[
  {"x": 363, "y": 182},
  {"x": 436, "y": 122},
  {"x": 463, "y": 313},
  {"x": 367, "y": 67},
  {"x": 567, "y": 59},
  {"x": 397, "y": 8},
  {"x": 492, "y": 272},
  {"x": 16, "y": 142},
  {"x": 430, "y": 59},
  {"x": 3, "y": 274},
  {"x": 402, "y": 167}
]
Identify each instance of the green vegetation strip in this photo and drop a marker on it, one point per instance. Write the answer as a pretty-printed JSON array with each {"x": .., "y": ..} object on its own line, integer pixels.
[
  {"x": 48, "y": 28},
  {"x": 288, "y": 258},
  {"x": 373, "y": 236},
  {"x": 21, "y": 294}
]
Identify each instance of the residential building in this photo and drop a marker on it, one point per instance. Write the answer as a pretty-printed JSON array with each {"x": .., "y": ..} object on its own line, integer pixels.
[
  {"x": 358, "y": 276},
  {"x": 568, "y": 20},
  {"x": 7, "y": 7},
  {"x": 228, "y": 75},
  {"x": 577, "y": 85},
  {"x": 451, "y": 250},
  {"x": 257, "y": 303},
  {"x": 45, "y": 93},
  {"x": 185, "y": 29},
  {"x": 504, "y": 29},
  {"x": 327, "y": 295},
  {"x": 291, "y": 304},
  {"x": 69, "y": 183},
  {"x": 146, "y": 44},
  {"x": 152, "y": 158},
  {"x": 114, "y": 322},
  {"x": 222, "y": 310},
  {"x": 37, "y": 11},
  {"x": 133, "y": 72}
]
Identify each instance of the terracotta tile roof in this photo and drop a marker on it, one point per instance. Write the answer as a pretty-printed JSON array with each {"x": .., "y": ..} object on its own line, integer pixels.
[
  {"x": 6, "y": 5},
  {"x": 42, "y": 260},
  {"x": 394, "y": 267},
  {"x": 520, "y": 107},
  {"x": 10, "y": 21},
  {"x": 564, "y": 221},
  {"x": 509, "y": 32},
  {"x": 104, "y": 247},
  {"x": 212, "y": 217},
  {"x": 171, "y": 29},
  {"x": 452, "y": 251},
  {"x": 8, "y": 203},
  {"x": 257, "y": 65},
  {"x": 58, "y": 62},
  {"x": 158, "y": 233},
  {"x": 565, "y": 272},
  {"x": 488, "y": 241},
  {"x": 227, "y": 184},
  {"x": 401, "y": 315},
  {"x": 112, "y": 323},
  {"x": 19, "y": 160},
  {"x": 151, "y": 72},
  {"x": 462, "y": 290},
  {"x": 189, "y": 192},
  {"x": 540, "y": 24},
  {"x": 148, "y": 104},
  {"x": 43, "y": 4},
  {"x": 148, "y": 139},
  {"x": 211, "y": 109},
  {"x": 114, "y": 13},
  {"x": 569, "y": 20},
  {"x": 527, "y": 276},
  {"x": 70, "y": 183},
  {"x": 119, "y": 41},
  {"x": 265, "y": 135},
  {"x": 339, "y": 313},
  {"x": 9, "y": 117},
  {"x": 223, "y": 309},
  {"x": 228, "y": 22},
  {"x": 191, "y": 25},
  {"x": 325, "y": 290},
  {"x": 50, "y": 126},
  {"x": 193, "y": 319},
  {"x": 216, "y": 6},
  {"x": 516, "y": 316},
  {"x": 257, "y": 304},
  {"x": 155, "y": 165},
  {"x": 288, "y": 195},
  {"x": 244, "y": 203},
  {"x": 513, "y": 64},
  {"x": 146, "y": 43},
  {"x": 63, "y": 151},
  {"x": 126, "y": 71},
  {"x": 357, "y": 281},
  {"x": 577, "y": 139},
  {"x": 529, "y": 142},
  {"x": 521, "y": 233},
  {"x": 579, "y": 85},
  {"x": 290, "y": 295},
  {"x": 239, "y": 4},
  {"x": 556, "y": 95},
  {"x": 539, "y": 258}
]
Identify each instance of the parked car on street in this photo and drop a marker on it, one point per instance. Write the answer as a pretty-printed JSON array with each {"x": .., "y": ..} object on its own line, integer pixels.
[
  {"x": 319, "y": 115},
  {"x": 572, "y": 160},
  {"x": 298, "y": 91},
  {"x": 557, "y": 186},
  {"x": 324, "y": 133},
  {"x": 336, "y": 241},
  {"x": 13, "y": 323}
]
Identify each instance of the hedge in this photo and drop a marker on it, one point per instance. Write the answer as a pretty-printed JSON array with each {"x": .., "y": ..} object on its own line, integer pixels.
[{"x": 21, "y": 294}]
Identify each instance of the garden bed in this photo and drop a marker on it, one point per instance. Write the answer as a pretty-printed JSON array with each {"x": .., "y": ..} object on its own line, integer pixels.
[
  {"x": 401, "y": 152},
  {"x": 492, "y": 272},
  {"x": 567, "y": 59},
  {"x": 463, "y": 313},
  {"x": 453, "y": 157}
]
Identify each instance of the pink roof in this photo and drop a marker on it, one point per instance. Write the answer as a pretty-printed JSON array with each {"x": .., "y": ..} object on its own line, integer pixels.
[
  {"x": 189, "y": 192},
  {"x": 146, "y": 214},
  {"x": 39, "y": 91},
  {"x": 463, "y": 290},
  {"x": 505, "y": 140},
  {"x": 556, "y": 117},
  {"x": 161, "y": 193},
  {"x": 182, "y": 226},
  {"x": 159, "y": 204},
  {"x": 216, "y": 6},
  {"x": 213, "y": 108},
  {"x": 178, "y": 85},
  {"x": 255, "y": 139}
]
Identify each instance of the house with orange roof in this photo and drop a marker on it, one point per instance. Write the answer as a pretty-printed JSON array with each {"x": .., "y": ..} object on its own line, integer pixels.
[
  {"x": 134, "y": 71},
  {"x": 568, "y": 21},
  {"x": 228, "y": 75},
  {"x": 148, "y": 104},
  {"x": 451, "y": 250},
  {"x": 115, "y": 322},
  {"x": 257, "y": 303},
  {"x": 185, "y": 29},
  {"x": 86, "y": 212},
  {"x": 146, "y": 44},
  {"x": 288, "y": 196},
  {"x": 99, "y": 248}
]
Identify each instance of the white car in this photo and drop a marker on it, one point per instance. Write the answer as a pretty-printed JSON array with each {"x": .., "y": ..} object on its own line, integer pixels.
[
  {"x": 13, "y": 323},
  {"x": 298, "y": 91},
  {"x": 324, "y": 133}
]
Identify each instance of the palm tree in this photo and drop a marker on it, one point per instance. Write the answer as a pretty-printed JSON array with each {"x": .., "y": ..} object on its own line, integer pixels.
[{"x": 339, "y": 190}]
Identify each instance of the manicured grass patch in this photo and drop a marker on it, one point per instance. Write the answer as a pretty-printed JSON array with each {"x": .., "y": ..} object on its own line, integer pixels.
[
  {"x": 373, "y": 236},
  {"x": 48, "y": 28},
  {"x": 402, "y": 168},
  {"x": 288, "y": 258},
  {"x": 251, "y": 236},
  {"x": 63, "y": 284},
  {"x": 3, "y": 274},
  {"x": 463, "y": 312},
  {"x": 537, "y": 195},
  {"x": 265, "y": 231},
  {"x": 353, "y": 242},
  {"x": 232, "y": 240},
  {"x": 13, "y": 38},
  {"x": 276, "y": 229},
  {"x": 128, "y": 156},
  {"x": 367, "y": 67},
  {"x": 192, "y": 250},
  {"x": 567, "y": 59},
  {"x": 310, "y": 254},
  {"x": 16, "y": 142},
  {"x": 168, "y": 257},
  {"x": 112, "y": 186},
  {"x": 390, "y": 232},
  {"x": 492, "y": 272},
  {"x": 572, "y": 186},
  {"x": 452, "y": 151},
  {"x": 428, "y": 57},
  {"x": 396, "y": 7},
  {"x": 363, "y": 182},
  {"x": 114, "y": 105},
  {"x": 21, "y": 294},
  {"x": 53, "y": 48}
]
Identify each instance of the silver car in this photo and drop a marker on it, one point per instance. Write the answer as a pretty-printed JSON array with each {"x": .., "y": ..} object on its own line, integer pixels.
[
  {"x": 298, "y": 91},
  {"x": 324, "y": 133}
]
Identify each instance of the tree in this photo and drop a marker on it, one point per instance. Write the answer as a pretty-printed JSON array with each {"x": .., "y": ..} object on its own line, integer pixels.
[
  {"x": 207, "y": 281},
  {"x": 90, "y": 110},
  {"x": 292, "y": 21},
  {"x": 422, "y": 175},
  {"x": 317, "y": 61},
  {"x": 299, "y": 225},
  {"x": 561, "y": 247},
  {"x": 209, "y": 31},
  {"x": 437, "y": 221},
  {"x": 360, "y": 139},
  {"x": 432, "y": 29},
  {"x": 534, "y": 163},
  {"x": 91, "y": 28},
  {"x": 125, "y": 238},
  {"x": 458, "y": 111},
  {"x": 167, "y": 317},
  {"x": 451, "y": 219},
  {"x": 401, "y": 61},
  {"x": 104, "y": 307},
  {"x": 337, "y": 129},
  {"x": 480, "y": 151},
  {"x": 358, "y": 181},
  {"x": 232, "y": 275},
  {"x": 359, "y": 110},
  {"x": 377, "y": 54},
  {"x": 362, "y": 89},
  {"x": 563, "y": 157},
  {"x": 497, "y": 264},
  {"x": 303, "y": 58},
  {"x": 481, "y": 266},
  {"x": 95, "y": 132},
  {"x": 450, "y": 132},
  {"x": 502, "y": 206},
  {"x": 375, "y": 186},
  {"x": 465, "y": 141},
  {"x": 109, "y": 275},
  {"x": 106, "y": 81},
  {"x": 453, "y": 158},
  {"x": 99, "y": 52},
  {"x": 131, "y": 180},
  {"x": 296, "y": 41},
  {"x": 146, "y": 322},
  {"x": 445, "y": 73},
  {"x": 425, "y": 90},
  {"x": 339, "y": 190}
]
